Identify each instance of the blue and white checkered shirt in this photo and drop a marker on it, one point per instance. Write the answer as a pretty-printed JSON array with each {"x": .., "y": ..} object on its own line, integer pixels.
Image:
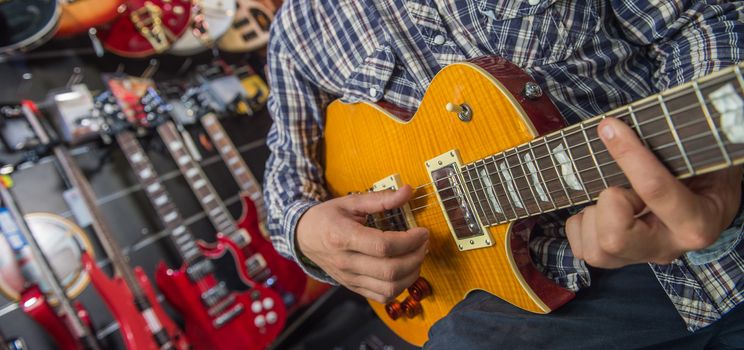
[{"x": 589, "y": 55}]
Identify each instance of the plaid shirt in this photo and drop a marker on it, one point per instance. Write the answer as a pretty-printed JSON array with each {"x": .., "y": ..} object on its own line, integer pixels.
[{"x": 588, "y": 55}]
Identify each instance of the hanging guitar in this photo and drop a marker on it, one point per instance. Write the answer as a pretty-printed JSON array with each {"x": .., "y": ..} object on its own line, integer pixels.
[
  {"x": 129, "y": 296},
  {"x": 26, "y": 24},
  {"x": 261, "y": 261},
  {"x": 77, "y": 16},
  {"x": 215, "y": 317},
  {"x": 211, "y": 20},
  {"x": 146, "y": 27},
  {"x": 485, "y": 149},
  {"x": 69, "y": 325},
  {"x": 250, "y": 28}
]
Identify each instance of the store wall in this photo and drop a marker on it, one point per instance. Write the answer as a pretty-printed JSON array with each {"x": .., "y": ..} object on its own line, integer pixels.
[{"x": 135, "y": 224}]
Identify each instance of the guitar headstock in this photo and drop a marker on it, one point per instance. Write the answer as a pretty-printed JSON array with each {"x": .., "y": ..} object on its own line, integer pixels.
[
  {"x": 106, "y": 109},
  {"x": 141, "y": 104}
]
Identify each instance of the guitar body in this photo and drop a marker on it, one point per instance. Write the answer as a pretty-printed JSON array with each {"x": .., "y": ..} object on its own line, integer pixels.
[
  {"x": 291, "y": 279},
  {"x": 146, "y": 27},
  {"x": 27, "y": 24},
  {"x": 35, "y": 304},
  {"x": 250, "y": 28},
  {"x": 365, "y": 143},
  {"x": 241, "y": 331},
  {"x": 211, "y": 20},
  {"x": 120, "y": 302},
  {"x": 78, "y": 16}
]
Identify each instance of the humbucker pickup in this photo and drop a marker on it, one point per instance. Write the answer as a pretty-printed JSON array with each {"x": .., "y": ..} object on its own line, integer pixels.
[{"x": 456, "y": 202}]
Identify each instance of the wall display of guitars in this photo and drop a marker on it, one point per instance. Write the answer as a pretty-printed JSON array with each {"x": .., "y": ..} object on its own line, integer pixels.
[
  {"x": 68, "y": 324},
  {"x": 138, "y": 28},
  {"x": 129, "y": 296},
  {"x": 216, "y": 316}
]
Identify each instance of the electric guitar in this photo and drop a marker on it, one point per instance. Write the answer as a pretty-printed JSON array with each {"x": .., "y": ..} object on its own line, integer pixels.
[
  {"x": 68, "y": 323},
  {"x": 250, "y": 28},
  {"x": 263, "y": 263},
  {"x": 211, "y": 19},
  {"x": 80, "y": 15},
  {"x": 26, "y": 24},
  {"x": 129, "y": 296},
  {"x": 215, "y": 316},
  {"x": 485, "y": 152},
  {"x": 146, "y": 27}
]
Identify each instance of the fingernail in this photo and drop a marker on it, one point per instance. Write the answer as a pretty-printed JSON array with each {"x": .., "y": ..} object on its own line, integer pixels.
[{"x": 607, "y": 132}]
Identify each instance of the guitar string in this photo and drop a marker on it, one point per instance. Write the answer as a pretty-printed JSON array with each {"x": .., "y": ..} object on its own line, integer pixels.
[
  {"x": 579, "y": 145},
  {"x": 533, "y": 201},
  {"x": 703, "y": 120},
  {"x": 565, "y": 134},
  {"x": 572, "y": 147}
]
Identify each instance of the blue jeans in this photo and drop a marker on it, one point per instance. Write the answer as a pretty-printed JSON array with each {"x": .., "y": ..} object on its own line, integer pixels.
[{"x": 623, "y": 309}]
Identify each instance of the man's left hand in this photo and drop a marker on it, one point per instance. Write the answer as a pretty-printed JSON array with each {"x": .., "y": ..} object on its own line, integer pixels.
[{"x": 661, "y": 218}]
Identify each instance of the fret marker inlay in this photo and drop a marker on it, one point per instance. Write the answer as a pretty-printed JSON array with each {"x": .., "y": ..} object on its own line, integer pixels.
[
  {"x": 490, "y": 192},
  {"x": 170, "y": 216},
  {"x": 145, "y": 173},
  {"x": 535, "y": 180},
  {"x": 731, "y": 107},
  {"x": 510, "y": 185},
  {"x": 192, "y": 172},
  {"x": 567, "y": 172},
  {"x": 183, "y": 160},
  {"x": 136, "y": 157},
  {"x": 161, "y": 200},
  {"x": 175, "y": 145},
  {"x": 153, "y": 188}
]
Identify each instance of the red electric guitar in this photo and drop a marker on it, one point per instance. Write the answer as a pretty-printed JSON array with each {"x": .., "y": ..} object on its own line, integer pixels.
[
  {"x": 129, "y": 296},
  {"x": 263, "y": 262},
  {"x": 215, "y": 316},
  {"x": 146, "y": 27}
]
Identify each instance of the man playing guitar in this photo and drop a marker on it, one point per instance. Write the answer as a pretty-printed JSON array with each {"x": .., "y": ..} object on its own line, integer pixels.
[{"x": 628, "y": 255}]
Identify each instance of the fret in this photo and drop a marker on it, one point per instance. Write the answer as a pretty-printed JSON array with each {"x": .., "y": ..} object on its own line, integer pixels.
[
  {"x": 522, "y": 182},
  {"x": 491, "y": 170},
  {"x": 712, "y": 123},
  {"x": 675, "y": 135},
  {"x": 593, "y": 154},
  {"x": 474, "y": 194},
  {"x": 512, "y": 185},
  {"x": 493, "y": 198},
  {"x": 554, "y": 166},
  {"x": 634, "y": 118},
  {"x": 535, "y": 164}
]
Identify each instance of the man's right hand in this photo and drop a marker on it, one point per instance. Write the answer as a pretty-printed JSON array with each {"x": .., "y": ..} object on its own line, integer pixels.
[{"x": 377, "y": 264}]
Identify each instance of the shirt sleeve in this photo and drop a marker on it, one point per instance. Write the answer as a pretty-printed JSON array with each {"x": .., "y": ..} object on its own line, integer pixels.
[
  {"x": 688, "y": 40},
  {"x": 294, "y": 176}
]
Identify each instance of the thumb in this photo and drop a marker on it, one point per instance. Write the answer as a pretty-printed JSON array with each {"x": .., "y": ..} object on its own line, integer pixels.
[{"x": 375, "y": 202}]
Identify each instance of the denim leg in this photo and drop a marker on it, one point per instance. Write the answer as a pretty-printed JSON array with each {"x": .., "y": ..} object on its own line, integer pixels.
[{"x": 623, "y": 309}]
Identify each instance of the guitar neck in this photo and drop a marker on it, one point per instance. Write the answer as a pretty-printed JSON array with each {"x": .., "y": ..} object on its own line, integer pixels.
[
  {"x": 23, "y": 238},
  {"x": 208, "y": 197},
  {"x": 75, "y": 175},
  {"x": 693, "y": 129},
  {"x": 231, "y": 156},
  {"x": 171, "y": 218}
]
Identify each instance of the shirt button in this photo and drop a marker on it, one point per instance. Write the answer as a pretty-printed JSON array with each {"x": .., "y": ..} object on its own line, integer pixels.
[
  {"x": 533, "y": 2},
  {"x": 439, "y": 39},
  {"x": 373, "y": 92}
]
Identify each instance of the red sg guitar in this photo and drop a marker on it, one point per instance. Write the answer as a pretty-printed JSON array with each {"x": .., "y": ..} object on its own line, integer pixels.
[
  {"x": 215, "y": 316},
  {"x": 146, "y": 27},
  {"x": 36, "y": 305},
  {"x": 263, "y": 263}
]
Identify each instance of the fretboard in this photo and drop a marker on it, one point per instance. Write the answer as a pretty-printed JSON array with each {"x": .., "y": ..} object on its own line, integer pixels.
[
  {"x": 693, "y": 129},
  {"x": 199, "y": 183},
  {"x": 156, "y": 192},
  {"x": 232, "y": 158}
]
